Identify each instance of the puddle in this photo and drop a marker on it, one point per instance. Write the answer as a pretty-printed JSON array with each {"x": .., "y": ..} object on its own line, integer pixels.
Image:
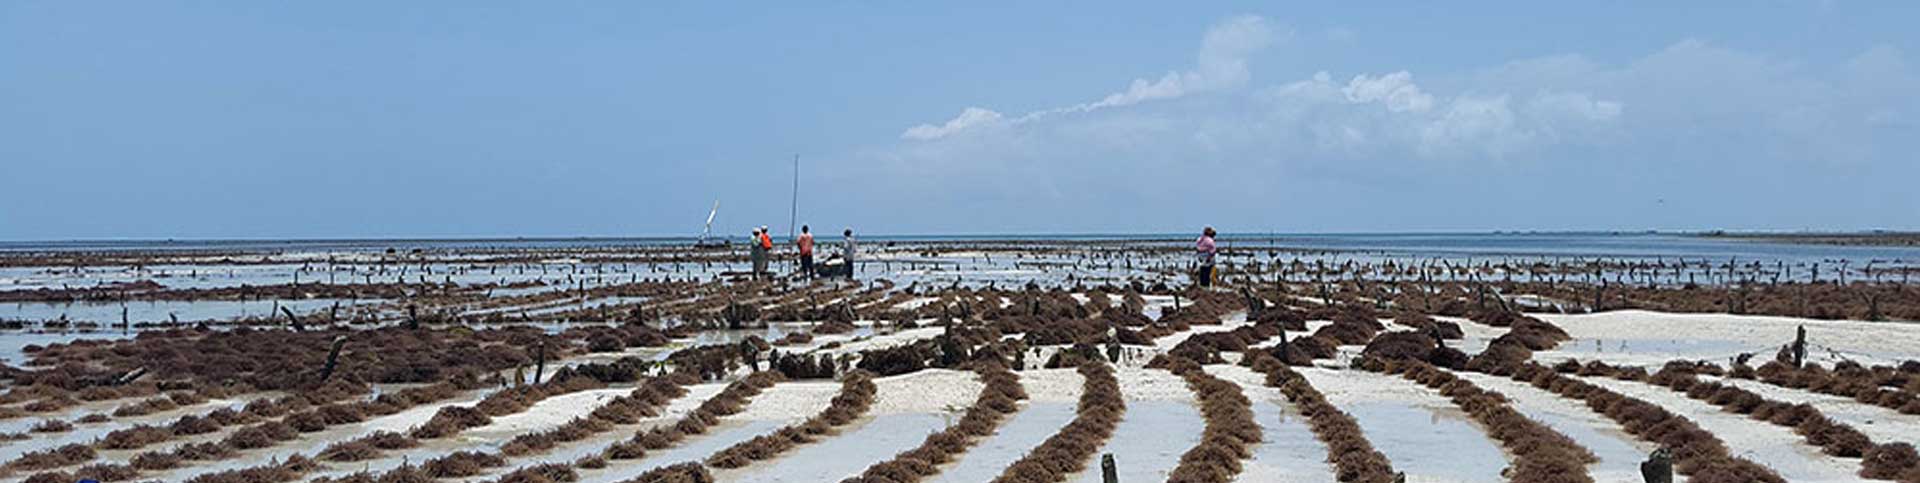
[
  {"x": 850, "y": 452},
  {"x": 1149, "y": 441},
  {"x": 1620, "y": 453},
  {"x": 695, "y": 448},
  {"x": 1287, "y": 451},
  {"x": 1017, "y": 435},
  {"x": 593, "y": 445},
  {"x": 1428, "y": 442},
  {"x": 107, "y": 313}
]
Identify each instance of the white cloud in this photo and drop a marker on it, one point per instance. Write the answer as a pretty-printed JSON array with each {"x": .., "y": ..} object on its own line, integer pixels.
[
  {"x": 972, "y": 116},
  {"x": 1395, "y": 90},
  {"x": 1474, "y": 125},
  {"x": 1220, "y": 64},
  {"x": 1575, "y": 104}
]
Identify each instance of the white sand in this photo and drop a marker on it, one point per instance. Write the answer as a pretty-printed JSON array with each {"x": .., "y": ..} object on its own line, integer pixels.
[
  {"x": 929, "y": 391},
  {"x": 1053, "y": 385},
  {"x": 790, "y": 401},
  {"x": 546, "y": 414},
  {"x": 1651, "y": 338}
]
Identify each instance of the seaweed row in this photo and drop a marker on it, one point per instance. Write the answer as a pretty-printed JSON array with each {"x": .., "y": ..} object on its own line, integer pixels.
[
  {"x": 856, "y": 396},
  {"x": 1540, "y": 453},
  {"x": 1694, "y": 451},
  {"x": 1230, "y": 431},
  {"x": 625, "y": 409},
  {"x": 1888, "y": 461},
  {"x": 1353, "y": 457},
  {"x": 43, "y": 398},
  {"x": 1515, "y": 348},
  {"x": 1205, "y": 348},
  {"x": 292, "y": 469},
  {"x": 1885, "y": 386},
  {"x": 473, "y": 462},
  {"x": 1414, "y": 346},
  {"x": 1424, "y": 323},
  {"x": 996, "y": 401},
  {"x": 452, "y": 420},
  {"x": 160, "y": 401},
  {"x": 1067, "y": 451},
  {"x": 731, "y": 400},
  {"x": 644, "y": 401},
  {"x": 1353, "y": 324},
  {"x": 142, "y": 435},
  {"x": 265, "y": 434},
  {"x": 688, "y": 472},
  {"x": 278, "y": 359}
]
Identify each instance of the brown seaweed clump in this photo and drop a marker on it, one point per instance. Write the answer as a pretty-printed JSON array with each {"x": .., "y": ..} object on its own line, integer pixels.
[
  {"x": 1068, "y": 450},
  {"x": 643, "y": 401},
  {"x": 996, "y": 401},
  {"x": 729, "y": 401},
  {"x": 1230, "y": 431},
  {"x": 1694, "y": 450},
  {"x": 856, "y": 396},
  {"x": 688, "y": 472},
  {"x": 1541, "y": 454},
  {"x": 1353, "y": 457}
]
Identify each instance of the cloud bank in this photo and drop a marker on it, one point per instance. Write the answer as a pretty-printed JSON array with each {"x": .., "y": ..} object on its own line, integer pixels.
[
  {"x": 1221, "y": 63},
  {"x": 1687, "y": 132}
]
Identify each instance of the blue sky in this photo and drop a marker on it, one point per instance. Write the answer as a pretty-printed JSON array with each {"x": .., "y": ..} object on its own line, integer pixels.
[{"x": 458, "y": 119}]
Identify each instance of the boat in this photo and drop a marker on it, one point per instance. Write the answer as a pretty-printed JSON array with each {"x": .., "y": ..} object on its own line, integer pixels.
[{"x": 706, "y": 236}]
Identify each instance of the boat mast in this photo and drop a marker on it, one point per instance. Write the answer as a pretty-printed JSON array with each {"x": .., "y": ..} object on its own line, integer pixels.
[{"x": 793, "y": 216}]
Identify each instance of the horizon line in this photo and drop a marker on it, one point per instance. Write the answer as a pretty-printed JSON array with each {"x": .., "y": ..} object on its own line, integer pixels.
[{"x": 1024, "y": 235}]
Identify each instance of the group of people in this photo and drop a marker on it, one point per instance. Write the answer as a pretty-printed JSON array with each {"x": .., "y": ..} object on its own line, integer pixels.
[
  {"x": 1204, "y": 251},
  {"x": 762, "y": 250}
]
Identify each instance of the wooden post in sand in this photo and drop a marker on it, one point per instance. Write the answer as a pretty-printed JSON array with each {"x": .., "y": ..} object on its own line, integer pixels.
[
  {"x": 1109, "y": 471},
  {"x": 1800, "y": 347},
  {"x": 539, "y": 362},
  {"x": 333, "y": 357},
  {"x": 292, "y": 319}
]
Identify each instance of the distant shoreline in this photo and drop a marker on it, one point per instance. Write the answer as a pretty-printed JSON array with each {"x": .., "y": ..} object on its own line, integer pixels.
[{"x": 1872, "y": 239}]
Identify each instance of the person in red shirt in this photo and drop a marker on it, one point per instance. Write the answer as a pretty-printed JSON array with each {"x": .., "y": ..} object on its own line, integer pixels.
[{"x": 805, "y": 243}]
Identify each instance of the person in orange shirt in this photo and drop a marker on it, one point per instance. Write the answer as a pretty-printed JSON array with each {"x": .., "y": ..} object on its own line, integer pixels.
[
  {"x": 805, "y": 243},
  {"x": 766, "y": 246}
]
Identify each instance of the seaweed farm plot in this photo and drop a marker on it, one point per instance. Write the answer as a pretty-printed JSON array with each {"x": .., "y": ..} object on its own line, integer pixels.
[{"x": 947, "y": 360}]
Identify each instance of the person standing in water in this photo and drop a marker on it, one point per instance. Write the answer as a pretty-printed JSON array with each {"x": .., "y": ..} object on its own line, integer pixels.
[
  {"x": 766, "y": 246},
  {"x": 1205, "y": 250},
  {"x": 805, "y": 244},
  {"x": 848, "y": 249},
  {"x": 757, "y": 254}
]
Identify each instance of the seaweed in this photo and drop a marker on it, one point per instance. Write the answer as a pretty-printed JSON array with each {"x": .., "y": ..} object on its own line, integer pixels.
[
  {"x": 855, "y": 397},
  {"x": 1069, "y": 449},
  {"x": 990, "y": 408}
]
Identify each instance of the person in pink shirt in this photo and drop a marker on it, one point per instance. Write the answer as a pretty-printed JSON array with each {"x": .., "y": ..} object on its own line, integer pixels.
[{"x": 1205, "y": 249}]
